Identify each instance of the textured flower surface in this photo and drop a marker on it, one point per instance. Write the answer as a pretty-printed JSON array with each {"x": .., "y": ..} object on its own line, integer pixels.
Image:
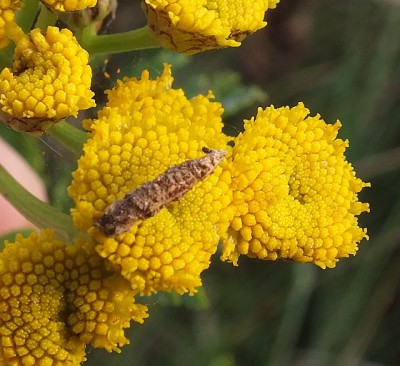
[
  {"x": 7, "y": 15},
  {"x": 32, "y": 304},
  {"x": 100, "y": 303},
  {"x": 50, "y": 79},
  {"x": 145, "y": 128},
  {"x": 55, "y": 299},
  {"x": 294, "y": 193},
  {"x": 70, "y": 5},
  {"x": 194, "y": 26}
]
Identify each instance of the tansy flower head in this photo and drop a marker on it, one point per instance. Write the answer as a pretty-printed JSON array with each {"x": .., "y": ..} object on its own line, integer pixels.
[
  {"x": 294, "y": 193},
  {"x": 55, "y": 299},
  {"x": 145, "y": 128},
  {"x": 69, "y": 5},
  {"x": 50, "y": 80},
  {"x": 7, "y": 16},
  {"x": 32, "y": 304},
  {"x": 194, "y": 26}
]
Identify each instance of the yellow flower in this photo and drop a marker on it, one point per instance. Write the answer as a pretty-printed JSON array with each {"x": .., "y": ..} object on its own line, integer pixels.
[
  {"x": 294, "y": 193},
  {"x": 32, "y": 304},
  {"x": 192, "y": 26},
  {"x": 69, "y": 5},
  {"x": 145, "y": 128},
  {"x": 50, "y": 80},
  {"x": 55, "y": 299},
  {"x": 7, "y": 15}
]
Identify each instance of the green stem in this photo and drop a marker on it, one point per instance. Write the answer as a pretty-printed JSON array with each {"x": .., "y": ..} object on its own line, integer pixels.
[
  {"x": 71, "y": 137},
  {"x": 45, "y": 18},
  {"x": 7, "y": 56},
  {"x": 36, "y": 211},
  {"x": 137, "y": 39},
  {"x": 27, "y": 15},
  {"x": 294, "y": 311}
]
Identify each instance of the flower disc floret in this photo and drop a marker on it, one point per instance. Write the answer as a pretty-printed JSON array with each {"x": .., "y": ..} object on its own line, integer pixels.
[
  {"x": 70, "y": 5},
  {"x": 294, "y": 194},
  {"x": 194, "y": 26},
  {"x": 145, "y": 128},
  {"x": 50, "y": 80},
  {"x": 7, "y": 16}
]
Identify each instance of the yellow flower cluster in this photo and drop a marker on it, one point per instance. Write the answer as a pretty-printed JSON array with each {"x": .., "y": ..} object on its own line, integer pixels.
[
  {"x": 7, "y": 15},
  {"x": 294, "y": 193},
  {"x": 50, "y": 80},
  {"x": 145, "y": 128},
  {"x": 55, "y": 299},
  {"x": 199, "y": 25},
  {"x": 70, "y": 5}
]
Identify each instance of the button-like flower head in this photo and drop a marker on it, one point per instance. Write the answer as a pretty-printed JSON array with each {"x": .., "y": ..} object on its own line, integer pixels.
[
  {"x": 55, "y": 299},
  {"x": 7, "y": 15},
  {"x": 193, "y": 26},
  {"x": 145, "y": 128},
  {"x": 50, "y": 80},
  {"x": 32, "y": 304},
  {"x": 69, "y": 5},
  {"x": 294, "y": 193}
]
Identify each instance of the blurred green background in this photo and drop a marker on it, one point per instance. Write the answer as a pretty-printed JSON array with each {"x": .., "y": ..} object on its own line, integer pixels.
[{"x": 342, "y": 59}]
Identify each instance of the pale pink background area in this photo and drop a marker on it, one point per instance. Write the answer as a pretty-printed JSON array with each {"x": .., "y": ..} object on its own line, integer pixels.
[{"x": 10, "y": 218}]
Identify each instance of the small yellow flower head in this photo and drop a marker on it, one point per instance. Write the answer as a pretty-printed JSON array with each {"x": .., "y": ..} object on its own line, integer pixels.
[
  {"x": 69, "y": 5},
  {"x": 294, "y": 193},
  {"x": 145, "y": 128},
  {"x": 33, "y": 304},
  {"x": 50, "y": 80},
  {"x": 193, "y": 26},
  {"x": 55, "y": 299},
  {"x": 7, "y": 16}
]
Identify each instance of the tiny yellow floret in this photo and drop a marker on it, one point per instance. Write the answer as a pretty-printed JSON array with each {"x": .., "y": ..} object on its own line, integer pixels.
[{"x": 7, "y": 16}]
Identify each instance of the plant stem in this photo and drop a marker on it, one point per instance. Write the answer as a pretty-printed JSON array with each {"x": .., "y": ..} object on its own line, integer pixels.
[
  {"x": 27, "y": 15},
  {"x": 137, "y": 39},
  {"x": 71, "y": 137},
  {"x": 36, "y": 211},
  {"x": 293, "y": 315},
  {"x": 45, "y": 18}
]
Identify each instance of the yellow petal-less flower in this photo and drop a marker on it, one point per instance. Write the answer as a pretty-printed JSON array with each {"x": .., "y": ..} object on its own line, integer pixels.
[
  {"x": 55, "y": 299},
  {"x": 69, "y": 5},
  {"x": 7, "y": 15},
  {"x": 193, "y": 26},
  {"x": 32, "y": 304},
  {"x": 294, "y": 193},
  {"x": 50, "y": 80},
  {"x": 145, "y": 128}
]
